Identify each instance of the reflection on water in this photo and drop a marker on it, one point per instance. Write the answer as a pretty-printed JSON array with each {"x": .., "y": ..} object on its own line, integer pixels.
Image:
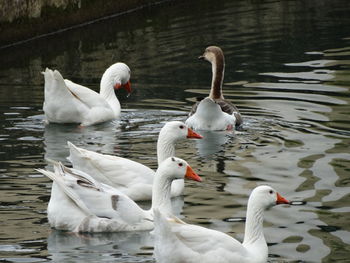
[
  {"x": 212, "y": 142},
  {"x": 64, "y": 246},
  {"x": 100, "y": 138},
  {"x": 287, "y": 69},
  {"x": 109, "y": 138}
]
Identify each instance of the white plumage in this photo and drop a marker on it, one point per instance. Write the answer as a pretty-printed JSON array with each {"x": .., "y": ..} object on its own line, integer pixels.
[
  {"x": 176, "y": 241},
  {"x": 79, "y": 203},
  {"x": 68, "y": 102},
  {"x": 130, "y": 177}
]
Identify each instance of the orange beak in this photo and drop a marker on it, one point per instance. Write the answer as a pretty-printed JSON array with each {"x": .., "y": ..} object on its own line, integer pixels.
[
  {"x": 127, "y": 86},
  {"x": 193, "y": 135},
  {"x": 281, "y": 200},
  {"x": 190, "y": 174}
]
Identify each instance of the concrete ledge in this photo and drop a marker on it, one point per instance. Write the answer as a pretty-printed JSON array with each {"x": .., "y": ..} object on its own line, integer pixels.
[{"x": 21, "y": 20}]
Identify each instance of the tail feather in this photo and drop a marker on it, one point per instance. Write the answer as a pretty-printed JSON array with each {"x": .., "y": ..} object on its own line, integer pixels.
[
  {"x": 51, "y": 161},
  {"x": 58, "y": 177},
  {"x": 49, "y": 174},
  {"x": 47, "y": 71},
  {"x": 96, "y": 164},
  {"x": 55, "y": 84},
  {"x": 57, "y": 75},
  {"x": 75, "y": 151}
]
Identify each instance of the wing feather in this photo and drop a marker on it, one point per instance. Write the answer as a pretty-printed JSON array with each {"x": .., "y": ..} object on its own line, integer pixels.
[
  {"x": 130, "y": 177},
  {"x": 96, "y": 198},
  {"x": 197, "y": 239},
  {"x": 87, "y": 96}
]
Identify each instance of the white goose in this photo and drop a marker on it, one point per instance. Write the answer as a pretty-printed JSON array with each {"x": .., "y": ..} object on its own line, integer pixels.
[
  {"x": 82, "y": 204},
  {"x": 68, "y": 102},
  {"x": 214, "y": 112},
  {"x": 176, "y": 241},
  {"x": 130, "y": 177}
]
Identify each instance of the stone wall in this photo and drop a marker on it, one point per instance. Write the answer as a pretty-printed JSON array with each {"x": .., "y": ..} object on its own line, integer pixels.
[
  {"x": 21, "y": 20},
  {"x": 11, "y": 10}
]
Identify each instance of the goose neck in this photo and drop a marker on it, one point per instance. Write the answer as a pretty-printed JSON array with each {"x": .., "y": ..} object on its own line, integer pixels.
[
  {"x": 161, "y": 193},
  {"x": 218, "y": 68},
  {"x": 107, "y": 91},
  {"x": 165, "y": 147},
  {"x": 106, "y": 85},
  {"x": 254, "y": 235}
]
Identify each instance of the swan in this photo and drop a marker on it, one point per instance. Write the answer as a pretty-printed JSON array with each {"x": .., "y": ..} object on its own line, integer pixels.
[
  {"x": 130, "y": 177},
  {"x": 176, "y": 241},
  {"x": 82, "y": 204},
  {"x": 68, "y": 102},
  {"x": 214, "y": 112}
]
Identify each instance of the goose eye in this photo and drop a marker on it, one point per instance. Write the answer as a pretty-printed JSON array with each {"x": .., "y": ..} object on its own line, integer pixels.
[
  {"x": 271, "y": 192},
  {"x": 180, "y": 164},
  {"x": 181, "y": 126}
]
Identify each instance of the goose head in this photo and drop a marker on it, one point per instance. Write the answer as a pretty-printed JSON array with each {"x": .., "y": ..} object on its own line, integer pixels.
[
  {"x": 176, "y": 168},
  {"x": 266, "y": 197},
  {"x": 212, "y": 53},
  {"x": 118, "y": 75},
  {"x": 170, "y": 169},
  {"x": 176, "y": 130},
  {"x": 172, "y": 132}
]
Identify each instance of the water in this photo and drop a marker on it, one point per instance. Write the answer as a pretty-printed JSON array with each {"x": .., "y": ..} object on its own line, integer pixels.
[{"x": 287, "y": 69}]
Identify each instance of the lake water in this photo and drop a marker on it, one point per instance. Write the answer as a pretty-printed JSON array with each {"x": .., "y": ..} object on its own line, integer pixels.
[{"x": 288, "y": 71}]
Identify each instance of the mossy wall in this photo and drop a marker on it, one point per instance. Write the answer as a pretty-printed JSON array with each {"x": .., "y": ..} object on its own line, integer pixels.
[{"x": 24, "y": 19}]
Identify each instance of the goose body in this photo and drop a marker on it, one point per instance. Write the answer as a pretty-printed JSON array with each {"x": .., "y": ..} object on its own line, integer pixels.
[
  {"x": 176, "y": 241},
  {"x": 214, "y": 112},
  {"x": 209, "y": 116},
  {"x": 79, "y": 203},
  {"x": 68, "y": 102},
  {"x": 130, "y": 177}
]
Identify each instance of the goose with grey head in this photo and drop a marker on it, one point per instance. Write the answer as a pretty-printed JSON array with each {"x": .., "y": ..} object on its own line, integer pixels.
[
  {"x": 82, "y": 204},
  {"x": 214, "y": 112},
  {"x": 68, "y": 102},
  {"x": 132, "y": 178},
  {"x": 178, "y": 242}
]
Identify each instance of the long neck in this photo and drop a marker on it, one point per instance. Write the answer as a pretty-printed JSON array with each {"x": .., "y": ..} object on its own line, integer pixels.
[
  {"x": 254, "y": 235},
  {"x": 161, "y": 193},
  {"x": 218, "y": 67},
  {"x": 165, "y": 147},
  {"x": 107, "y": 92}
]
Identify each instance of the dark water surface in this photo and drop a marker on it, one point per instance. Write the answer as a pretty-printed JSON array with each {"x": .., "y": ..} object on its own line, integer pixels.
[{"x": 287, "y": 69}]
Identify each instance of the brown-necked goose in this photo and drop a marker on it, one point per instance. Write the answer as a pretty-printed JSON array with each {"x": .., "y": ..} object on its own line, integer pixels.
[{"x": 214, "y": 112}]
